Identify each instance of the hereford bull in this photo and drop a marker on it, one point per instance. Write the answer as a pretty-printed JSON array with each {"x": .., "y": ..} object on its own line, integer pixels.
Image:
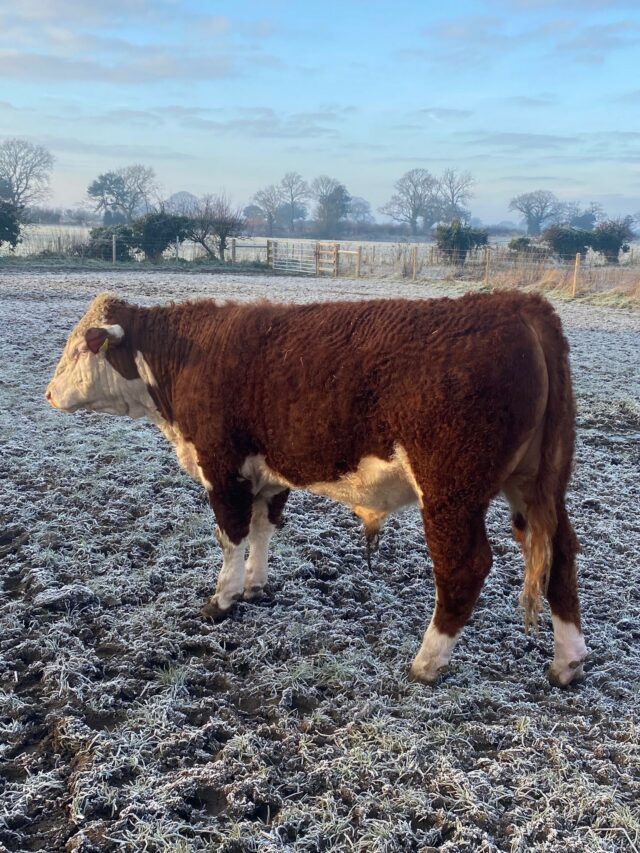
[{"x": 378, "y": 404}]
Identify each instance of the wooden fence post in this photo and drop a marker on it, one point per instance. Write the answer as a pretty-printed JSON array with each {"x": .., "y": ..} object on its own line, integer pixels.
[
  {"x": 576, "y": 270},
  {"x": 177, "y": 248},
  {"x": 269, "y": 254},
  {"x": 430, "y": 256},
  {"x": 113, "y": 248},
  {"x": 233, "y": 250},
  {"x": 414, "y": 261},
  {"x": 487, "y": 256},
  {"x": 358, "y": 261},
  {"x": 336, "y": 259},
  {"x": 317, "y": 254}
]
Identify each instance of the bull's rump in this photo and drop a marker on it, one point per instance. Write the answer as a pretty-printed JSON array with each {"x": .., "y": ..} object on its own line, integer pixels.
[{"x": 315, "y": 389}]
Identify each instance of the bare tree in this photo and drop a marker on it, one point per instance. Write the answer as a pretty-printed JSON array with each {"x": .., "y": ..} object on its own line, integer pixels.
[
  {"x": 181, "y": 203},
  {"x": 269, "y": 200},
  {"x": 416, "y": 195},
  {"x": 211, "y": 222},
  {"x": 537, "y": 208},
  {"x": 572, "y": 213},
  {"x": 25, "y": 169},
  {"x": 360, "y": 211},
  {"x": 128, "y": 191},
  {"x": 455, "y": 191},
  {"x": 294, "y": 191}
]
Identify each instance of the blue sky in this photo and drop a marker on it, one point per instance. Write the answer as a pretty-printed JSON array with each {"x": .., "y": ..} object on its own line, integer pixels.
[{"x": 525, "y": 94}]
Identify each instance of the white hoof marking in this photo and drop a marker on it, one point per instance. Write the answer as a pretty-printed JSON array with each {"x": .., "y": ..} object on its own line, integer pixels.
[
  {"x": 569, "y": 652},
  {"x": 434, "y": 654}
]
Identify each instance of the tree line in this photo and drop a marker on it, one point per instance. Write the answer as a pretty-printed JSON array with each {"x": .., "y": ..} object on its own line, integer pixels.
[{"x": 130, "y": 204}]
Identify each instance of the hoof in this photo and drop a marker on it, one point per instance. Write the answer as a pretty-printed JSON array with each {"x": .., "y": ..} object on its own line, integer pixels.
[
  {"x": 252, "y": 593},
  {"x": 561, "y": 675},
  {"x": 427, "y": 676},
  {"x": 212, "y": 609}
]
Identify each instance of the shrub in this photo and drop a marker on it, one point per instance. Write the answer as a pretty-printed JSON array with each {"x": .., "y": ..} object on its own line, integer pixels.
[
  {"x": 520, "y": 244},
  {"x": 100, "y": 243},
  {"x": 456, "y": 239},
  {"x": 566, "y": 242},
  {"x": 9, "y": 224},
  {"x": 155, "y": 232},
  {"x": 610, "y": 238}
]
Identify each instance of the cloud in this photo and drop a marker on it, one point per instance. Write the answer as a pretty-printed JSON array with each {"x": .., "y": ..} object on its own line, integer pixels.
[
  {"x": 133, "y": 152},
  {"x": 524, "y": 141},
  {"x": 267, "y": 123},
  {"x": 442, "y": 114},
  {"x": 363, "y": 146},
  {"x": 45, "y": 41},
  {"x": 531, "y": 100},
  {"x": 137, "y": 118},
  {"x": 148, "y": 66},
  {"x": 216, "y": 25},
  {"x": 593, "y": 44},
  {"x": 473, "y": 41},
  {"x": 539, "y": 180},
  {"x": 108, "y": 11}
]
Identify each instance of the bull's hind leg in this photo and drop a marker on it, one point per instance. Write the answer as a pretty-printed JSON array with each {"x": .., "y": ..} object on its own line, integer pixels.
[
  {"x": 562, "y": 593},
  {"x": 462, "y": 559},
  {"x": 562, "y": 590},
  {"x": 265, "y": 518}
]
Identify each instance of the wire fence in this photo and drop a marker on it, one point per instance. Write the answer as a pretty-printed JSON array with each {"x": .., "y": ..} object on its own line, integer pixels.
[{"x": 495, "y": 264}]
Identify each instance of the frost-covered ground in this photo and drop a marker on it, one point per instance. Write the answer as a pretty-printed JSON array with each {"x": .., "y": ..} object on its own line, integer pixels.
[{"x": 128, "y": 723}]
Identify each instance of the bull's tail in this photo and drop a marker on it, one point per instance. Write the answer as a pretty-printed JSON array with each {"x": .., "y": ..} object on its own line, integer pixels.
[
  {"x": 538, "y": 554},
  {"x": 545, "y": 494}
]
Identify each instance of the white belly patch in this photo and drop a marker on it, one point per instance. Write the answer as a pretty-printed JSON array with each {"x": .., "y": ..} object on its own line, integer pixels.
[{"x": 379, "y": 485}]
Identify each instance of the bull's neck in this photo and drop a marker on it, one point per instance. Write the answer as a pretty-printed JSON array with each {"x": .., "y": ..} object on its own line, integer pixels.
[{"x": 157, "y": 335}]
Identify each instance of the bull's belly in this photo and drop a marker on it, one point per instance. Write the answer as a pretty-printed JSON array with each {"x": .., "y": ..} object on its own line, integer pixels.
[{"x": 377, "y": 486}]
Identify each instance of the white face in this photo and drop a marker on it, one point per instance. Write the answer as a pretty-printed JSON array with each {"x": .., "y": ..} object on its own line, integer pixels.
[{"x": 86, "y": 380}]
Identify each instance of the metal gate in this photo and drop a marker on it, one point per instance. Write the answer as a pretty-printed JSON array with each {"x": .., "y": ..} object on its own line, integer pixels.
[{"x": 293, "y": 257}]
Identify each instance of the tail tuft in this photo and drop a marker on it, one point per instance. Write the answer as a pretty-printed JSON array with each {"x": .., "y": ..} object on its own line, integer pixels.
[{"x": 538, "y": 554}]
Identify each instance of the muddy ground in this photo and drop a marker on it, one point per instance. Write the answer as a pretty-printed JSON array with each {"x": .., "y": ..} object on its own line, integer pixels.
[{"x": 129, "y": 723}]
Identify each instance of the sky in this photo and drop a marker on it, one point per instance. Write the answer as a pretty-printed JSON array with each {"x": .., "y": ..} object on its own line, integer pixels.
[{"x": 524, "y": 94}]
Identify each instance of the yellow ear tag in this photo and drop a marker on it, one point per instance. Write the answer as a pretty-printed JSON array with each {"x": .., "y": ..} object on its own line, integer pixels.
[{"x": 104, "y": 346}]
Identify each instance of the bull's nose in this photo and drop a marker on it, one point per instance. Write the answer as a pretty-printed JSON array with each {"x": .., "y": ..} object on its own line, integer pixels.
[{"x": 48, "y": 395}]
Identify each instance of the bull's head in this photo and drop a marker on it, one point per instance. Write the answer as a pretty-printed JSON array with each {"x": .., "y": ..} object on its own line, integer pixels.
[{"x": 86, "y": 377}]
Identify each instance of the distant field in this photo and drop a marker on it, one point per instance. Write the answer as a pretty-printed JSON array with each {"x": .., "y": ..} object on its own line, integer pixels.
[{"x": 128, "y": 723}]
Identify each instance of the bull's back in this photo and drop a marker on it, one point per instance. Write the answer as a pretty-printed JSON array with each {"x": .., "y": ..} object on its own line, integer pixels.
[{"x": 330, "y": 384}]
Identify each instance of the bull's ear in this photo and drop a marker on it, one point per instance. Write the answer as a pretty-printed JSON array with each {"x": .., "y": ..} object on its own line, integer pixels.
[{"x": 100, "y": 338}]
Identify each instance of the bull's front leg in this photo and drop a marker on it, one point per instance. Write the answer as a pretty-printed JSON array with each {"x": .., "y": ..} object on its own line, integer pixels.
[
  {"x": 265, "y": 517},
  {"x": 231, "y": 501}
]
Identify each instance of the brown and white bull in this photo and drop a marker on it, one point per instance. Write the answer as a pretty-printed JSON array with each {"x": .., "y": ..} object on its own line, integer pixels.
[{"x": 378, "y": 404}]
